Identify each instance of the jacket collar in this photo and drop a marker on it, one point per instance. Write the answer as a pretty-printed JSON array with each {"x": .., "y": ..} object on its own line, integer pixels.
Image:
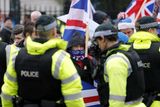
[
  {"x": 143, "y": 36},
  {"x": 39, "y": 46}
]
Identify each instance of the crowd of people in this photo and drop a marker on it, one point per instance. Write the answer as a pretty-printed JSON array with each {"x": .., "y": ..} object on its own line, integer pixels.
[{"x": 40, "y": 69}]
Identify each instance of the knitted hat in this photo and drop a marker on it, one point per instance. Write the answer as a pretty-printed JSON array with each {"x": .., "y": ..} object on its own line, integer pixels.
[
  {"x": 77, "y": 39},
  {"x": 125, "y": 23},
  {"x": 99, "y": 16}
]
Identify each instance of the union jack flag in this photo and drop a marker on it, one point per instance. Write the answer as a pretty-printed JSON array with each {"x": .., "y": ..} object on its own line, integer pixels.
[
  {"x": 90, "y": 95},
  {"x": 79, "y": 14},
  {"x": 78, "y": 17},
  {"x": 140, "y": 8}
]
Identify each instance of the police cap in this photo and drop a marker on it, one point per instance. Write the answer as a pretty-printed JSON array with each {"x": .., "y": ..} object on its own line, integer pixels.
[
  {"x": 146, "y": 22},
  {"x": 106, "y": 29},
  {"x": 45, "y": 23}
]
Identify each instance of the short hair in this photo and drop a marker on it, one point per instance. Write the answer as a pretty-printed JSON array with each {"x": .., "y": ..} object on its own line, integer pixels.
[
  {"x": 18, "y": 29},
  {"x": 29, "y": 28}
]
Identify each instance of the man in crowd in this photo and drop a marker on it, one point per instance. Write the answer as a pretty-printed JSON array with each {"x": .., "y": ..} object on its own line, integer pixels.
[
  {"x": 5, "y": 33},
  {"x": 35, "y": 15}
]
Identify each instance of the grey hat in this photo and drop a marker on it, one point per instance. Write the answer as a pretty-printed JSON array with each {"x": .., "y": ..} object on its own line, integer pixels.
[{"x": 77, "y": 39}]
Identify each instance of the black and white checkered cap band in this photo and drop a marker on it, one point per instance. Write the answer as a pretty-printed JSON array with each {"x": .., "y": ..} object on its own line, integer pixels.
[
  {"x": 104, "y": 33},
  {"x": 47, "y": 27},
  {"x": 149, "y": 25}
]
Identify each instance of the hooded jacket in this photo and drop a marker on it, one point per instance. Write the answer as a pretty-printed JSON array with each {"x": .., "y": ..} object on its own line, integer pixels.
[
  {"x": 117, "y": 69},
  {"x": 147, "y": 46},
  {"x": 62, "y": 68}
]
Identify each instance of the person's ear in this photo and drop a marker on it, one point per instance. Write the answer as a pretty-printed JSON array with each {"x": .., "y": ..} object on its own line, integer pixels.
[
  {"x": 54, "y": 32},
  {"x": 151, "y": 30},
  {"x": 103, "y": 39}
]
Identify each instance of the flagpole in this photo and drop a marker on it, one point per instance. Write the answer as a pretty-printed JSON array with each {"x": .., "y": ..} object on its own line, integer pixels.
[
  {"x": 86, "y": 41},
  {"x": 139, "y": 11}
]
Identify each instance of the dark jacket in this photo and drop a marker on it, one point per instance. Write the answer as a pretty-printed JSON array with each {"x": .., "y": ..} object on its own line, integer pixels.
[
  {"x": 5, "y": 35},
  {"x": 2, "y": 61}
]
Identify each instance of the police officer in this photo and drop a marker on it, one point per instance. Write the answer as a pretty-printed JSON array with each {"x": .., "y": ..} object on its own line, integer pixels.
[
  {"x": 123, "y": 76},
  {"x": 42, "y": 74},
  {"x": 146, "y": 43}
]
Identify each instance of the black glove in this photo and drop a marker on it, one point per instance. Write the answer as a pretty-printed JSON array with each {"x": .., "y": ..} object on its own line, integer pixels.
[{"x": 87, "y": 63}]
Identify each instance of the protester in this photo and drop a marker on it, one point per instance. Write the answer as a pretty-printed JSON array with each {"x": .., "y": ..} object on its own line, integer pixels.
[
  {"x": 17, "y": 34},
  {"x": 126, "y": 26},
  {"x": 84, "y": 65},
  {"x": 35, "y": 15},
  {"x": 39, "y": 74},
  {"x": 5, "y": 33},
  {"x": 3, "y": 64}
]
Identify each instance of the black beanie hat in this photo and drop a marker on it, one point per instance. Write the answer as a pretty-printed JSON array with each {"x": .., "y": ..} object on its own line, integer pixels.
[
  {"x": 77, "y": 39},
  {"x": 99, "y": 16}
]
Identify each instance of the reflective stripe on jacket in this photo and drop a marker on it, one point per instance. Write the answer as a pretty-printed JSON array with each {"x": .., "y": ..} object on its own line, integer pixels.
[
  {"x": 117, "y": 69},
  {"x": 11, "y": 49},
  {"x": 62, "y": 68}
]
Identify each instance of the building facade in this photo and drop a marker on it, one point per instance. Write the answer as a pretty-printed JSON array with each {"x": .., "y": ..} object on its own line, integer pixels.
[{"x": 19, "y": 9}]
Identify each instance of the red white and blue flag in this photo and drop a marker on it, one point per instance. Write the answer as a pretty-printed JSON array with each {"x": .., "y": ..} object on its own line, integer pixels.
[
  {"x": 140, "y": 8},
  {"x": 78, "y": 17},
  {"x": 90, "y": 95}
]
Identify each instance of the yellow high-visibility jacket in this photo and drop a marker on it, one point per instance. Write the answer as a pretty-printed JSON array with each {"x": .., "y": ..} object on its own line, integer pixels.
[
  {"x": 116, "y": 72},
  {"x": 62, "y": 69},
  {"x": 11, "y": 50},
  {"x": 143, "y": 40}
]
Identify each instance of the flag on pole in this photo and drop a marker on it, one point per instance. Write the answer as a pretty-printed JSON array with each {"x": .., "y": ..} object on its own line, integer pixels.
[
  {"x": 140, "y": 8},
  {"x": 78, "y": 17},
  {"x": 90, "y": 95}
]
